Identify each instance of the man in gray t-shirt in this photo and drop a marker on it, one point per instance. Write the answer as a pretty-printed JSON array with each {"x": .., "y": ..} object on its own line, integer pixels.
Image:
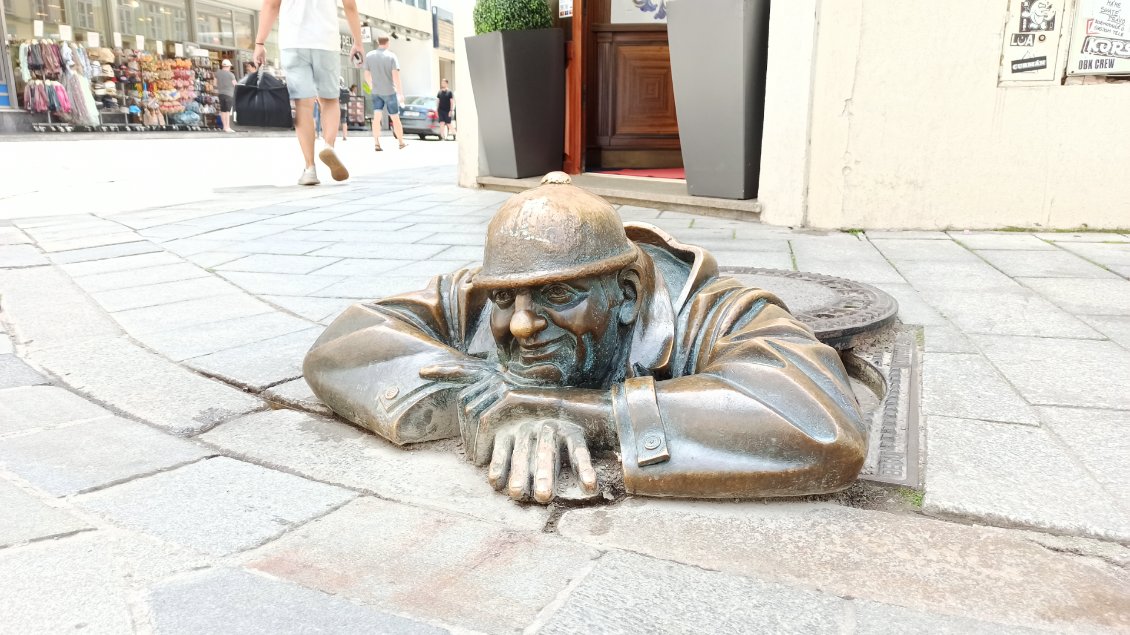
[
  {"x": 225, "y": 88},
  {"x": 382, "y": 72}
]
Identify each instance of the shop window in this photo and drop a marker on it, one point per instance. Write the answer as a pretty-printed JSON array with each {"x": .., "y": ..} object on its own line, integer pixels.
[
  {"x": 214, "y": 26},
  {"x": 88, "y": 15},
  {"x": 244, "y": 31},
  {"x": 51, "y": 11}
]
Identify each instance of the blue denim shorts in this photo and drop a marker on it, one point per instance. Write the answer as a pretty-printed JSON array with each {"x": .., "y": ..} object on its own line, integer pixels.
[
  {"x": 311, "y": 73},
  {"x": 387, "y": 102}
]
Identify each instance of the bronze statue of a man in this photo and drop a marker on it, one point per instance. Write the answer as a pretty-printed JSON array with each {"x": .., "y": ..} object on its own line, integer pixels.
[{"x": 582, "y": 333}]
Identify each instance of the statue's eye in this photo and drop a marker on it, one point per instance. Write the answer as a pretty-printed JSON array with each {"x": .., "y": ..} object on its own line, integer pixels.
[
  {"x": 558, "y": 293},
  {"x": 503, "y": 297}
]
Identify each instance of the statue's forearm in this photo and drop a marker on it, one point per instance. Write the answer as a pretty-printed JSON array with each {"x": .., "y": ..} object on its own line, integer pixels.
[{"x": 591, "y": 409}]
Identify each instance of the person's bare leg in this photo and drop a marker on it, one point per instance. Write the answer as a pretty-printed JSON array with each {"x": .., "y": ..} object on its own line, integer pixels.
[
  {"x": 377, "y": 117},
  {"x": 443, "y": 132},
  {"x": 344, "y": 126},
  {"x": 304, "y": 128},
  {"x": 397, "y": 129},
  {"x": 331, "y": 120},
  {"x": 225, "y": 117}
]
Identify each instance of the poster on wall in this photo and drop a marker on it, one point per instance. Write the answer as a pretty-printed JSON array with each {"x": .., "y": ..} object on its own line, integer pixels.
[
  {"x": 1030, "y": 51},
  {"x": 639, "y": 11},
  {"x": 1100, "y": 41},
  {"x": 565, "y": 8}
]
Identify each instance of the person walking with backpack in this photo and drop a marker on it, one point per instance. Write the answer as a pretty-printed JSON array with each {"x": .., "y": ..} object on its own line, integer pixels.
[{"x": 310, "y": 42}]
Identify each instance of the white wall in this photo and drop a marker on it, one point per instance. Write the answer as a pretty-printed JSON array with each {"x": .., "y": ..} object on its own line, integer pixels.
[
  {"x": 909, "y": 129},
  {"x": 415, "y": 66},
  {"x": 471, "y": 161}
]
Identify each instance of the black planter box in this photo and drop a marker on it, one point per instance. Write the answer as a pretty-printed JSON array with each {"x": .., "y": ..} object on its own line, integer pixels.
[
  {"x": 720, "y": 91},
  {"x": 518, "y": 78}
]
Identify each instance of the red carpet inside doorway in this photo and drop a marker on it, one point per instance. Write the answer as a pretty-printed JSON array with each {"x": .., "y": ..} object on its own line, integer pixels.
[{"x": 651, "y": 173}]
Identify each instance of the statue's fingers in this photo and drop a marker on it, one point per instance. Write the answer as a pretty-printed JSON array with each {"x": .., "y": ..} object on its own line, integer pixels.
[
  {"x": 546, "y": 464},
  {"x": 500, "y": 462},
  {"x": 582, "y": 462},
  {"x": 454, "y": 372},
  {"x": 518, "y": 485}
]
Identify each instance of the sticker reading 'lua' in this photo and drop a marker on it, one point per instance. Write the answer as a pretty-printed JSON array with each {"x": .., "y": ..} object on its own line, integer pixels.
[
  {"x": 1030, "y": 50},
  {"x": 1100, "y": 41}
]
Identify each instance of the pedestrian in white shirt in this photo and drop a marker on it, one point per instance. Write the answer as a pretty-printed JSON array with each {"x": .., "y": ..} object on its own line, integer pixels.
[{"x": 309, "y": 42}]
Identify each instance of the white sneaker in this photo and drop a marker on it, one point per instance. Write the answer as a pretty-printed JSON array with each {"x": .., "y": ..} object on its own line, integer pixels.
[{"x": 309, "y": 177}]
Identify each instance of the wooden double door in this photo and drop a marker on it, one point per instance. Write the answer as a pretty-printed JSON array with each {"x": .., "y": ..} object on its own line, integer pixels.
[{"x": 627, "y": 115}]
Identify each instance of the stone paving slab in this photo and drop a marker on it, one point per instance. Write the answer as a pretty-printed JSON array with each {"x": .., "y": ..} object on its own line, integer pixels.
[
  {"x": 1115, "y": 327},
  {"x": 43, "y": 320},
  {"x": 297, "y": 394},
  {"x": 1044, "y": 264},
  {"x": 999, "y": 241},
  {"x": 118, "y": 372},
  {"x": 73, "y": 459},
  {"x": 945, "y": 338},
  {"x": 927, "y": 275},
  {"x": 122, "y": 263},
  {"x": 1107, "y": 254},
  {"x": 12, "y": 236},
  {"x": 21, "y": 256},
  {"x": 450, "y": 568},
  {"x": 1062, "y": 372},
  {"x": 65, "y": 586},
  {"x": 15, "y": 372},
  {"x": 204, "y": 339},
  {"x": 30, "y": 408},
  {"x": 162, "y": 293},
  {"x": 374, "y": 286},
  {"x": 221, "y": 506},
  {"x": 100, "y": 253},
  {"x": 187, "y": 314},
  {"x": 334, "y": 452},
  {"x": 235, "y": 601},
  {"x": 1084, "y": 237},
  {"x": 900, "y": 560},
  {"x": 280, "y": 283},
  {"x": 1098, "y": 438},
  {"x": 319, "y": 310},
  {"x": 1007, "y": 313},
  {"x": 113, "y": 280},
  {"x": 913, "y": 309},
  {"x": 628, "y": 593},
  {"x": 260, "y": 364},
  {"x": 1078, "y": 295},
  {"x": 1016, "y": 476},
  {"x": 274, "y": 263},
  {"x": 84, "y": 240},
  {"x": 900, "y": 250},
  {"x": 28, "y": 518},
  {"x": 962, "y": 385}
]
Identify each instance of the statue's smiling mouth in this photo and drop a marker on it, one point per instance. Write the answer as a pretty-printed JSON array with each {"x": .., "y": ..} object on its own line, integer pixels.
[{"x": 540, "y": 351}]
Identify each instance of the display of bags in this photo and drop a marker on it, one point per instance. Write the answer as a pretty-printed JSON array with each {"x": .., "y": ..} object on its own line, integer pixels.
[{"x": 263, "y": 101}]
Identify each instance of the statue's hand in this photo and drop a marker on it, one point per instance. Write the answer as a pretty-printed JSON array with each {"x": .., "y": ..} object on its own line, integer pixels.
[
  {"x": 527, "y": 457},
  {"x": 487, "y": 386}
]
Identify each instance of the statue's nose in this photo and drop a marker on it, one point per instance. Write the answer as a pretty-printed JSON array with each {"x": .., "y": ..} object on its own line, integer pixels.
[{"x": 525, "y": 324}]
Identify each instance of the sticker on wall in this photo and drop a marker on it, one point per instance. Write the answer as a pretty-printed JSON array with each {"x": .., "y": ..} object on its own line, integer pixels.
[
  {"x": 637, "y": 11},
  {"x": 366, "y": 34},
  {"x": 117, "y": 40},
  {"x": 178, "y": 50},
  {"x": 37, "y": 28},
  {"x": 66, "y": 33},
  {"x": 139, "y": 42},
  {"x": 1100, "y": 40},
  {"x": 93, "y": 40},
  {"x": 565, "y": 8},
  {"x": 1031, "y": 43}
]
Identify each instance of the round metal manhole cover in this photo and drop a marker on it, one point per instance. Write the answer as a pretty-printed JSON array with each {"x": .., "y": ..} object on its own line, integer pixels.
[{"x": 838, "y": 310}]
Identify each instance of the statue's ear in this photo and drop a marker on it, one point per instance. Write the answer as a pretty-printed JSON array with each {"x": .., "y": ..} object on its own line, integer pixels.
[{"x": 632, "y": 288}]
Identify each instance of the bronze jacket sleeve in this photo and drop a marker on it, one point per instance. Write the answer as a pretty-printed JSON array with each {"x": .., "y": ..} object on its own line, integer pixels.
[
  {"x": 366, "y": 365},
  {"x": 756, "y": 406}
]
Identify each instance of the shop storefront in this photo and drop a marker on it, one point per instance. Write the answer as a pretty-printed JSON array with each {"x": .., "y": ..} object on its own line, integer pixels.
[{"x": 144, "y": 62}]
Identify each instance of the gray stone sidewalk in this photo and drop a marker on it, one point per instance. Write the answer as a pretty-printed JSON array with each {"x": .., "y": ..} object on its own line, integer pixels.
[{"x": 167, "y": 470}]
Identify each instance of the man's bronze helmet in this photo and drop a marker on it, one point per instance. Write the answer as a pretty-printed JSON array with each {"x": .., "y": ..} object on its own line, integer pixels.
[{"x": 553, "y": 232}]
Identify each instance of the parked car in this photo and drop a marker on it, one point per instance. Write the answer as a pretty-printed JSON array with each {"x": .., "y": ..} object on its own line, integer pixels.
[{"x": 419, "y": 117}]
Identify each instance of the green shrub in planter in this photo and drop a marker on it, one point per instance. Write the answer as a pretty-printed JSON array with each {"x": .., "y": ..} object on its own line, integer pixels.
[{"x": 512, "y": 15}]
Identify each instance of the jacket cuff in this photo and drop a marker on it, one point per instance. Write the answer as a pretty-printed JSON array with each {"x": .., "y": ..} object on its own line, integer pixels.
[{"x": 643, "y": 439}]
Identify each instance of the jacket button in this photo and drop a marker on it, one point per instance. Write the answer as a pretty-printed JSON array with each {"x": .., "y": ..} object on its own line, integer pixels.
[
  {"x": 651, "y": 441},
  {"x": 392, "y": 392}
]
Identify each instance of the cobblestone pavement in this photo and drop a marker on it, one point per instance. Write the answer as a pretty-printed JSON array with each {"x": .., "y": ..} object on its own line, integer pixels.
[{"x": 164, "y": 468}]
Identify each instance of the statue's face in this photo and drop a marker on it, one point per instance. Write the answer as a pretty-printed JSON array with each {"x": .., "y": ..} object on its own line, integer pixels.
[{"x": 561, "y": 333}]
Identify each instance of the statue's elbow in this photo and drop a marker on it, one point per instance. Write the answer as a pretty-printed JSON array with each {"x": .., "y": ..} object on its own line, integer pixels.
[{"x": 840, "y": 459}]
